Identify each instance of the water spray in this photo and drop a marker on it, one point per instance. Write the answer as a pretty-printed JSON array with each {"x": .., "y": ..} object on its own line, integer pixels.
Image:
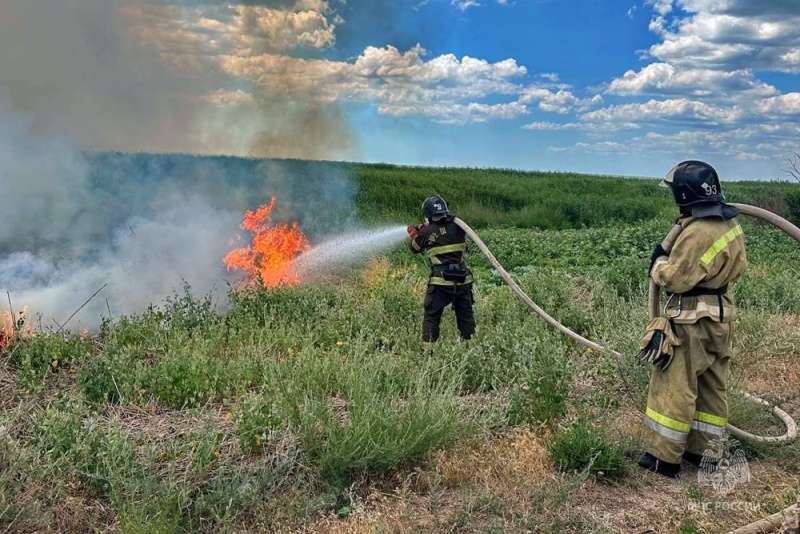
[
  {"x": 791, "y": 428},
  {"x": 354, "y": 246}
]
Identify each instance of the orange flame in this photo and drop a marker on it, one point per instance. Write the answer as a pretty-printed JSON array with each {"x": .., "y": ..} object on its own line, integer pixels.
[
  {"x": 273, "y": 248},
  {"x": 11, "y": 329}
]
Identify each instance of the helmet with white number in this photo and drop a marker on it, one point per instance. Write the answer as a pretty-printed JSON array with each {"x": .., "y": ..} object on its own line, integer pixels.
[
  {"x": 694, "y": 182},
  {"x": 434, "y": 208}
]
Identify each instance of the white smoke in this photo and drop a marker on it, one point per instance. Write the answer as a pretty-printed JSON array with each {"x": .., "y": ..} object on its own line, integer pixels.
[
  {"x": 180, "y": 240},
  {"x": 149, "y": 261},
  {"x": 54, "y": 247},
  {"x": 75, "y": 82}
]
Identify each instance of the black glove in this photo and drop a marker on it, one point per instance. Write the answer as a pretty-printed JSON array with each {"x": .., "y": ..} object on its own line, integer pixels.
[
  {"x": 651, "y": 352},
  {"x": 657, "y": 345},
  {"x": 657, "y": 253}
]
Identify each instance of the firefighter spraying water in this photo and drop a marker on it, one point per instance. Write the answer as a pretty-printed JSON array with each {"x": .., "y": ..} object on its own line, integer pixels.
[{"x": 450, "y": 281}]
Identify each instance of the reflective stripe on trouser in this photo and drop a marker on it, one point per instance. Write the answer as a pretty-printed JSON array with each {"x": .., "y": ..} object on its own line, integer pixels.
[
  {"x": 436, "y": 300},
  {"x": 687, "y": 403}
]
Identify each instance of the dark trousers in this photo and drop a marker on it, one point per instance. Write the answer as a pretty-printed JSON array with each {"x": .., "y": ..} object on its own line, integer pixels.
[{"x": 436, "y": 300}]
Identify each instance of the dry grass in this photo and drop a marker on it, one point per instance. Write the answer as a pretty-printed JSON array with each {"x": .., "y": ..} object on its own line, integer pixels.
[
  {"x": 653, "y": 504},
  {"x": 771, "y": 367},
  {"x": 514, "y": 474},
  {"x": 9, "y": 385},
  {"x": 502, "y": 471}
]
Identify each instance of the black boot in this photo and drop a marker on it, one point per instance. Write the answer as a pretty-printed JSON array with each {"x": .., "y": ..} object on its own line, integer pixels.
[
  {"x": 692, "y": 458},
  {"x": 651, "y": 463},
  {"x": 698, "y": 460}
]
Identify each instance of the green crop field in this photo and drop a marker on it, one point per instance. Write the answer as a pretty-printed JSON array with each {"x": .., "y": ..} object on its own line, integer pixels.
[{"x": 310, "y": 408}]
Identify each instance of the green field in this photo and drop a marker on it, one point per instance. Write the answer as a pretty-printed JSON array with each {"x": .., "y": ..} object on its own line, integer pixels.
[{"x": 310, "y": 408}]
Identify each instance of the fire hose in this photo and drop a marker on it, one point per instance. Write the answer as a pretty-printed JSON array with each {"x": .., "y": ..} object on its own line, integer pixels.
[{"x": 653, "y": 301}]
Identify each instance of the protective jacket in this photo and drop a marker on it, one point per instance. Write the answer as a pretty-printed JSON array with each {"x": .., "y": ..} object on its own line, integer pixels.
[
  {"x": 708, "y": 255},
  {"x": 444, "y": 242},
  {"x": 687, "y": 403}
]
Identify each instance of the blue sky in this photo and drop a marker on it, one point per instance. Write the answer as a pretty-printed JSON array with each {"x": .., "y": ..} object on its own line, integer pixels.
[{"x": 622, "y": 87}]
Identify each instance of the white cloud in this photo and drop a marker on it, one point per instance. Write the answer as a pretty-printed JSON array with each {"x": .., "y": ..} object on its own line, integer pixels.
[
  {"x": 729, "y": 143},
  {"x": 784, "y": 106},
  {"x": 703, "y": 82},
  {"x": 739, "y": 143},
  {"x": 661, "y": 7},
  {"x": 560, "y": 101},
  {"x": 584, "y": 126},
  {"x": 463, "y": 5},
  {"x": 730, "y": 35},
  {"x": 601, "y": 147},
  {"x": 678, "y": 109},
  {"x": 666, "y": 79},
  {"x": 552, "y": 126},
  {"x": 458, "y": 113},
  {"x": 749, "y": 156},
  {"x": 400, "y": 83},
  {"x": 745, "y": 8},
  {"x": 250, "y": 46}
]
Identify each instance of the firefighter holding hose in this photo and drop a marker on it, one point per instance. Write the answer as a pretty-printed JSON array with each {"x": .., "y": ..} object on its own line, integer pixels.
[
  {"x": 690, "y": 344},
  {"x": 450, "y": 281}
]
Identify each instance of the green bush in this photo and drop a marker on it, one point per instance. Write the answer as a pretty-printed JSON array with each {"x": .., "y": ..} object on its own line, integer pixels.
[
  {"x": 539, "y": 395},
  {"x": 114, "y": 375},
  {"x": 79, "y": 449},
  {"x": 41, "y": 354},
  {"x": 582, "y": 448},
  {"x": 257, "y": 421},
  {"x": 185, "y": 378},
  {"x": 793, "y": 205},
  {"x": 501, "y": 197},
  {"x": 373, "y": 425}
]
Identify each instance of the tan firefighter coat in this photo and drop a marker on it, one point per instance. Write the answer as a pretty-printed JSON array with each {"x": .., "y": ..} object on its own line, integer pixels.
[{"x": 687, "y": 403}]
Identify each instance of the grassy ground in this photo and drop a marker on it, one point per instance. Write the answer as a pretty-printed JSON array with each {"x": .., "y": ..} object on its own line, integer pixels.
[{"x": 310, "y": 409}]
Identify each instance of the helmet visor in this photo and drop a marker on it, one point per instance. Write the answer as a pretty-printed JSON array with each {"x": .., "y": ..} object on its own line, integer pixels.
[{"x": 669, "y": 179}]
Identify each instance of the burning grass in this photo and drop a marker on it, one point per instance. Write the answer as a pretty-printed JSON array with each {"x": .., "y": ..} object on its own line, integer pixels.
[{"x": 273, "y": 247}]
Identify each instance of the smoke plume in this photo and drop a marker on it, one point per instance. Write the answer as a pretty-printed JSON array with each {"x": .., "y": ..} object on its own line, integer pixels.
[{"x": 87, "y": 89}]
